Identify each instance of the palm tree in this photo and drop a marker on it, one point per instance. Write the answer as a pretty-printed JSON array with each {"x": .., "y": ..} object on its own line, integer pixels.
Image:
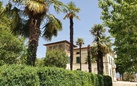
[
  {"x": 72, "y": 10},
  {"x": 98, "y": 31},
  {"x": 89, "y": 59},
  {"x": 35, "y": 11},
  {"x": 79, "y": 42}
]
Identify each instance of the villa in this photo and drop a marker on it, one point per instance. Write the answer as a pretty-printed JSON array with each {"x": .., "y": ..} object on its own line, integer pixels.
[{"x": 108, "y": 60}]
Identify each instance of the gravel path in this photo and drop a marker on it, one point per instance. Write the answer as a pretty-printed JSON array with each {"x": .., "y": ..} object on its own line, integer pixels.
[{"x": 122, "y": 83}]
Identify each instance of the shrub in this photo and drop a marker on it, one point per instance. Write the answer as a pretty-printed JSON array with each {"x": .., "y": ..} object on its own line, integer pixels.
[
  {"x": 100, "y": 80},
  {"x": 107, "y": 81},
  {"x": 56, "y": 58},
  {"x": 94, "y": 80},
  {"x": 21, "y": 75},
  {"x": 18, "y": 75}
]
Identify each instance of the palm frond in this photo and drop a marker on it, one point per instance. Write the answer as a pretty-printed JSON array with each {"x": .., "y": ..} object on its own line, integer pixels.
[
  {"x": 72, "y": 10},
  {"x": 67, "y": 15},
  {"x": 20, "y": 1},
  {"x": 97, "y": 30},
  {"x": 71, "y": 14},
  {"x": 72, "y": 7},
  {"x": 52, "y": 27},
  {"x": 7, "y": 10},
  {"x": 17, "y": 25},
  {"x": 36, "y": 7},
  {"x": 58, "y": 5},
  {"x": 77, "y": 17},
  {"x": 48, "y": 35},
  {"x": 1, "y": 9},
  {"x": 79, "y": 41},
  {"x": 21, "y": 28}
]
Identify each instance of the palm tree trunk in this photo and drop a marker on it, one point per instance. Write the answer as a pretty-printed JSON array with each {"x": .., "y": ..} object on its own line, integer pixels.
[
  {"x": 100, "y": 58},
  {"x": 100, "y": 62},
  {"x": 34, "y": 32},
  {"x": 71, "y": 43},
  {"x": 89, "y": 60},
  {"x": 80, "y": 57}
]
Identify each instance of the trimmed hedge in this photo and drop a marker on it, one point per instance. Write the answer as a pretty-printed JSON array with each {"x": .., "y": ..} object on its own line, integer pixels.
[
  {"x": 16, "y": 75},
  {"x": 19, "y": 75},
  {"x": 107, "y": 81}
]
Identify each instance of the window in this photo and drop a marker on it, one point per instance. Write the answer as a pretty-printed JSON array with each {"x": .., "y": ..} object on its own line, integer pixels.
[
  {"x": 109, "y": 60},
  {"x": 55, "y": 47},
  {"x": 68, "y": 48},
  {"x": 60, "y": 46},
  {"x": 107, "y": 69},
  {"x": 110, "y": 72},
  {"x": 50, "y": 47},
  {"x": 77, "y": 52},
  {"x": 77, "y": 59}
]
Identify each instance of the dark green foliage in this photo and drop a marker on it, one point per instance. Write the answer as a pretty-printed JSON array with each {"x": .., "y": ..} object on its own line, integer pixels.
[
  {"x": 39, "y": 62},
  {"x": 19, "y": 75},
  {"x": 27, "y": 21},
  {"x": 94, "y": 80},
  {"x": 97, "y": 80},
  {"x": 107, "y": 81},
  {"x": 11, "y": 47},
  {"x": 100, "y": 79},
  {"x": 120, "y": 16},
  {"x": 57, "y": 77}
]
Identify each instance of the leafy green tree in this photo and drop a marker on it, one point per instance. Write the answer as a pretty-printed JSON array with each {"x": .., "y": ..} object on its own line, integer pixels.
[
  {"x": 4, "y": 18},
  {"x": 71, "y": 13},
  {"x": 35, "y": 11},
  {"x": 101, "y": 47},
  {"x": 22, "y": 59},
  {"x": 80, "y": 42},
  {"x": 120, "y": 16},
  {"x": 125, "y": 65},
  {"x": 120, "y": 67},
  {"x": 10, "y": 45},
  {"x": 56, "y": 58}
]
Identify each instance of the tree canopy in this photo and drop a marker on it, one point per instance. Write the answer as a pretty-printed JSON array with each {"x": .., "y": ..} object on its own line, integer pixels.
[
  {"x": 120, "y": 16},
  {"x": 102, "y": 45},
  {"x": 28, "y": 19},
  {"x": 56, "y": 58},
  {"x": 11, "y": 47}
]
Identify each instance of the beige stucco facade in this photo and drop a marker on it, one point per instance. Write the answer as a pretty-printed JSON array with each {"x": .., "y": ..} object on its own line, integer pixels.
[{"x": 108, "y": 60}]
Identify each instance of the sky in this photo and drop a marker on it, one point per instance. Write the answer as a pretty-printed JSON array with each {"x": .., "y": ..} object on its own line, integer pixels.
[{"x": 89, "y": 16}]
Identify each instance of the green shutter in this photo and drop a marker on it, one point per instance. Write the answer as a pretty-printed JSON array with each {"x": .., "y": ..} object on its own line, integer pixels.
[{"x": 77, "y": 59}]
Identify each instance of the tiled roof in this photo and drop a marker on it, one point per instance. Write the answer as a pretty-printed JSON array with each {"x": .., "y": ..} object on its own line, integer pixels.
[{"x": 59, "y": 42}]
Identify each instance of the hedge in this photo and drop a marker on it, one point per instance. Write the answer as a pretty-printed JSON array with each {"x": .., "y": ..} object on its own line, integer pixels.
[{"x": 21, "y": 75}]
